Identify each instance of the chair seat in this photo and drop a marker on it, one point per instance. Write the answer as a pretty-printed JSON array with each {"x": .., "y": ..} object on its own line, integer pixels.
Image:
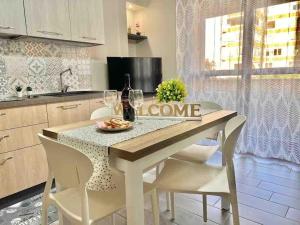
[
  {"x": 101, "y": 204},
  {"x": 196, "y": 153},
  {"x": 187, "y": 177}
]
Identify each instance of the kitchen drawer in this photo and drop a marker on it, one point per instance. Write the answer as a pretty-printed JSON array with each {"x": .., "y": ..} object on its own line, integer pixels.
[
  {"x": 22, "y": 116},
  {"x": 18, "y": 138},
  {"x": 96, "y": 104},
  {"x": 22, "y": 169},
  {"x": 68, "y": 112}
]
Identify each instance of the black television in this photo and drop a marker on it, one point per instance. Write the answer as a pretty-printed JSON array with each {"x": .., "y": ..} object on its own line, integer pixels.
[{"x": 145, "y": 72}]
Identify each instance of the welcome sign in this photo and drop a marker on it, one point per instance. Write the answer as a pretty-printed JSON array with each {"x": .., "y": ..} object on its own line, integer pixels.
[{"x": 166, "y": 109}]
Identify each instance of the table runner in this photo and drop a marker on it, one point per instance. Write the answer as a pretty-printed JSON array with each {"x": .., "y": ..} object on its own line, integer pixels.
[{"x": 94, "y": 144}]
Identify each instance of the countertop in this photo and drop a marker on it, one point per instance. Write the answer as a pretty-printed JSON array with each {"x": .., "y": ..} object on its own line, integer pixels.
[{"x": 40, "y": 100}]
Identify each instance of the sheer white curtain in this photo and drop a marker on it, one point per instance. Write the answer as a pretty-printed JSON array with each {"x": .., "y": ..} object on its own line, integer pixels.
[{"x": 245, "y": 55}]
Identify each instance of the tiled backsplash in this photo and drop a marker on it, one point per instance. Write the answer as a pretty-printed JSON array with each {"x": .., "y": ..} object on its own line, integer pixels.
[{"x": 38, "y": 63}]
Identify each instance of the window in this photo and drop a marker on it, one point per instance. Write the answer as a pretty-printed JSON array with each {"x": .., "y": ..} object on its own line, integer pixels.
[{"x": 276, "y": 39}]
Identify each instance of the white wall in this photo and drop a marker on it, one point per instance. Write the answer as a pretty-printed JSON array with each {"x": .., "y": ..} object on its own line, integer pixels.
[
  {"x": 116, "y": 41},
  {"x": 158, "y": 22}
]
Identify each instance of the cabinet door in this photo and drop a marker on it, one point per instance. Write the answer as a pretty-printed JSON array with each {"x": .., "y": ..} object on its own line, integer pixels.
[
  {"x": 12, "y": 18},
  {"x": 22, "y": 169},
  {"x": 48, "y": 19},
  {"x": 87, "y": 21},
  {"x": 68, "y": 112}
]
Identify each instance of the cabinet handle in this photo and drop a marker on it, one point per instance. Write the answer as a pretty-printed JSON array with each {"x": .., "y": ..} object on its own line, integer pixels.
[
  {"x": 3, "y": 137},
  {"x": 68, "y": 107},
  {"x": 89, "y": 38},
  {"x": 2, "y": 114},
  {"x": 49, "y": 32},
  {"x": 5, "y": 160},
  {"x": 101, "y": 102},
  {"x": 6, "y": 27}
]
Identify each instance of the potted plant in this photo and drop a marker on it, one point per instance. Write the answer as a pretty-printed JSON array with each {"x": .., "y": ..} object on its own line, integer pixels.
[
  {"x": 19, "y": 91},
  {"x": 29, "y": 91},
  {"x": 173, "y": 90}
]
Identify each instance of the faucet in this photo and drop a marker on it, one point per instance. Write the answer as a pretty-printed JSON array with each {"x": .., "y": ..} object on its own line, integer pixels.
[{"x": 64, "y": 88}]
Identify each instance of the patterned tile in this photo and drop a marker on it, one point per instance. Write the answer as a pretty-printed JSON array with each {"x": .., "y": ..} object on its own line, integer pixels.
[
  {"x": 36, "y": 66},
  {"x": 52, "y": 50},
  {"x": 3, "y": 78},
  {"x": 16, "y": 68},
  {"x": 53, "y": 68},
  {"x": 71, "y": 79},
  {"x": 38, "y": 63},
  {"x": 34, "y": 48}
]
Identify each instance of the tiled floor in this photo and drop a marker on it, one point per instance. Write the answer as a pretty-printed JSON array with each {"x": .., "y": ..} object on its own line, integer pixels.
[{"x": 268, "y": 194}]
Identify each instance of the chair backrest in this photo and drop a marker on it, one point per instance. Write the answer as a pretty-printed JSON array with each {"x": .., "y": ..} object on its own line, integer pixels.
[
  {"x": 70, "y": 167},
  {"x": 210, "y": 105},
  {"x": 101, "y": 112},
  {"x": 232, "y": 131}
]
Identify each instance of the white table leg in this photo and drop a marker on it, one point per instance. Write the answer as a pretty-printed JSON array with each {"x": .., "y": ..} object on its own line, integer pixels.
[
  {"x": 225, "y": 203},
  {"x": 134, "y": 194}
]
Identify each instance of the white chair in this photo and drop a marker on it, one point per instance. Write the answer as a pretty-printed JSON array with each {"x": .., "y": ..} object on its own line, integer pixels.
[
  {"x": 202, "y": 151},
  {"x": 201, "y": 178},
  {"x": 199, "y": 152},
  {"x": 71, "y": 170},
  {"x": 101, "y": 112}
]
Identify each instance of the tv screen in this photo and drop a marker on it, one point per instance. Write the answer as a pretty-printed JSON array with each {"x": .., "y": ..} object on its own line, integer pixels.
[{"x": 145, "y": 72}]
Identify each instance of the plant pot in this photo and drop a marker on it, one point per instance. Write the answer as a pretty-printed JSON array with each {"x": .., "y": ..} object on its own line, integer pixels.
[
  {"x": 19, "y": 94},
  {"x": 29, "y": 93}
]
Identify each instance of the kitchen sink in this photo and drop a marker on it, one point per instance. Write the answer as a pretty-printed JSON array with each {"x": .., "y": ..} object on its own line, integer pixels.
[{"x": 71, "y": 93}]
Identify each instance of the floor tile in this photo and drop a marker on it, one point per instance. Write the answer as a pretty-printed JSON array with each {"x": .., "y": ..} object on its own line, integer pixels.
[
  {"x": 261, "y": 217},
  {"x": 293, "y": 214},
  {"x": 280, "y": 189},
  {"x": 286, "y": 200},
  {"x": 276, "y": 180},
  {"x": 258, "y": 192},
  {"x": 262, "y": 204}
]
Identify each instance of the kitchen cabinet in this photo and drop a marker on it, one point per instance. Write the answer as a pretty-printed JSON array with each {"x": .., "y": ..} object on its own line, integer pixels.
[
  {"x": 22, "y": 169},
  {"x": 14, "y": 139},
  {"x": 68, "y": 112},
  {"x": 12, "y": 18},
  {"x": 48, "y": 19},
  {"x": 22, "y": 116},
  {"x": 96, "y": 104},
  {"x": 87, "y": 21}
]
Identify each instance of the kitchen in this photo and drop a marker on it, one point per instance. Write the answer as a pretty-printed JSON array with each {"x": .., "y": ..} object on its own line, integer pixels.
[{"x": 62, "y": 61}]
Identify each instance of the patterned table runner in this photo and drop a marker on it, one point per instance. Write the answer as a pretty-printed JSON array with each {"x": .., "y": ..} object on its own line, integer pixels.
[{"x": 94, "y": 144}]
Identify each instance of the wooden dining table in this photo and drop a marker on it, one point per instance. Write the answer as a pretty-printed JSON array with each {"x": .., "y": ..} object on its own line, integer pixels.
[{"x": 138, "y": 154}]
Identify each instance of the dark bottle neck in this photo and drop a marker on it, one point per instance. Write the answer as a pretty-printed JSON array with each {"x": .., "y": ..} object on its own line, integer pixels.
[{"x": 127, "y": 81}]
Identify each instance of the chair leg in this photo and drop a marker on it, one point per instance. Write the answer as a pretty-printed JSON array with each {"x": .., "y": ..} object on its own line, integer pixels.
[
  {"x": 235, "y": 208},
  {"x": 157, "y": 171},
  {"x": 168, "y": 200},
  {"x": 155, "y": 206},
  {"x": 44, "y": 219},
  {"x": 204, "y": 200},
  {"x": 113, "y": 221},
  {"x": 172, "y": 196}
]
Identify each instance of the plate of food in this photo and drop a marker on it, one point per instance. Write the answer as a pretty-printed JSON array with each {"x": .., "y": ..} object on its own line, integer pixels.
[{"x": 113, "y": 125}]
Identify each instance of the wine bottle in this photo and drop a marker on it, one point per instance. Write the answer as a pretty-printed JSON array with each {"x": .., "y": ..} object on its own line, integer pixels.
[{"x": 128, "y": 111}]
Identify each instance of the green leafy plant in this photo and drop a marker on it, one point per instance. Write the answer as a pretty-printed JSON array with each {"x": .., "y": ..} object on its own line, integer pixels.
[
  {"x": 19, "y": 88},
  {"x": 171, "y": 90}
]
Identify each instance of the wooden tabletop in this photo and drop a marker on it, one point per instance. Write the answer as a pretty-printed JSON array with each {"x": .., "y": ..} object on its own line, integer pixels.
[{"x": 146, "y": 144}]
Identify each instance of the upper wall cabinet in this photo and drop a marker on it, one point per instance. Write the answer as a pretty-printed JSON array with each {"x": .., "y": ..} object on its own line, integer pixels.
[
  {"x": 12, "y": 19},
  {"x": 48, "y": 18},
  {"x": 87, "y": 21}
]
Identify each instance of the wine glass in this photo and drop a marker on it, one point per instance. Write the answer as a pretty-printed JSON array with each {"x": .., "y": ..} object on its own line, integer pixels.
[
  {"x": 111, "y": 99},
  {"x": 136, "y": 100}
]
